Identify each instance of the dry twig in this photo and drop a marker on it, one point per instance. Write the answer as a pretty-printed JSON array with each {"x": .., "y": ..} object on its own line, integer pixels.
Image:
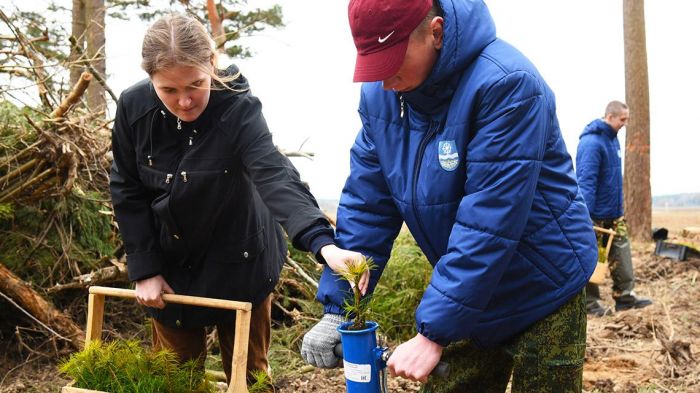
[{"x": 301, "y": 272}]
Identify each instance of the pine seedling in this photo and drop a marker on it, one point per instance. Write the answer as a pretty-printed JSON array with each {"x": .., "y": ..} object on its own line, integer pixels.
[
  {"x": 260, "y": 382},
  {"x": 126, "y": 367},
  {"x": 357, "y": 309}
]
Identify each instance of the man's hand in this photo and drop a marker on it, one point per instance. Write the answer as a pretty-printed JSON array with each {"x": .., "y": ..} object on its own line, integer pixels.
[
  {"x": 319, "y": 342},
  {"x": 338, "y": 258},
  {"x": 415, "y": 359},
  {"x": 149, "y": 291}
]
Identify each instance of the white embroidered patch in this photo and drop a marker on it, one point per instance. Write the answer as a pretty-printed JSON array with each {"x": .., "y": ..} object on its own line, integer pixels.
[{"x": 447, "y": 155}]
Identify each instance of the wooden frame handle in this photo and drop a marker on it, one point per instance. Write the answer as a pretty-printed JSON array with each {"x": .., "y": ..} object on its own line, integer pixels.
[
  {"x": 95, "y": 319},
  {"x": 610, "y": 238},
  {"x": 178, "y": 299}
]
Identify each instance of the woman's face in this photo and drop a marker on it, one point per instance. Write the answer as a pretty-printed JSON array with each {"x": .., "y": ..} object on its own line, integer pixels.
[{"x": 184, "y": 90}]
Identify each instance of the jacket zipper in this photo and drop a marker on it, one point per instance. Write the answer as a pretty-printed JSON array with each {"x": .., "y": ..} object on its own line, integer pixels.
[{"x": 432, "y": 130}]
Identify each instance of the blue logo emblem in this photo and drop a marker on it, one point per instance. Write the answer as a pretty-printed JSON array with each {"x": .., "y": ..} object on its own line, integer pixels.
[{"x": 448, "y": 156}]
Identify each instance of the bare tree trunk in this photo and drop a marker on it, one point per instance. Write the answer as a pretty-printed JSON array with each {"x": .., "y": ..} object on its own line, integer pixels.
[
  {"x": 95, "y": 16},
  {"x": 78, "y": 31},
  {"x": 637, "y": 162},
  {"x": 217, "y": 26}
]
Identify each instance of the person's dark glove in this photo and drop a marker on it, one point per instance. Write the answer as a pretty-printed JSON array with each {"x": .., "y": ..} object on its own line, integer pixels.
[{"x": 319, "y": 342}]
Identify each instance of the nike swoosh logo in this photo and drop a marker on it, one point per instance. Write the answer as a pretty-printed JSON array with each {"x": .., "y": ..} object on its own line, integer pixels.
[{"x": 382, "y": 39}]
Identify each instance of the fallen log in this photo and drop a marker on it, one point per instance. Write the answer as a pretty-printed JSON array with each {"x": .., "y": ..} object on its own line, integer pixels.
[{"x": 32, "y": 302}]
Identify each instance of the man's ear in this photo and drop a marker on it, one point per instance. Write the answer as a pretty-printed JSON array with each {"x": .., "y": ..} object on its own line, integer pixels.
[{"x": 436, "y": 27}]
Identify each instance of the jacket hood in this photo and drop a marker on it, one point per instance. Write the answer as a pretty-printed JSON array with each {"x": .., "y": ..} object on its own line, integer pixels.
[
  {"x": 468, "y": 29},
  {"x": 222, "y": 93},
  {"x": 598, "y": 126}
]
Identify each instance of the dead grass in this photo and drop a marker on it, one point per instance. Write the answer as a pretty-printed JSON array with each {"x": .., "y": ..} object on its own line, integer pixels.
[{"x": 654, "y": 349}]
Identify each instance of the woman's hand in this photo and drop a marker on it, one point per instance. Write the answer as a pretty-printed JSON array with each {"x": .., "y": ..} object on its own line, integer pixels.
[
  {"x": 338, "y": 258},
  {"x": 149, "y": 291}
]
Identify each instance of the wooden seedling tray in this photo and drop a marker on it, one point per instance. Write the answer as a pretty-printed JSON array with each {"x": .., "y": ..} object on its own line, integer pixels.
[{"x": 95, "y": 318}]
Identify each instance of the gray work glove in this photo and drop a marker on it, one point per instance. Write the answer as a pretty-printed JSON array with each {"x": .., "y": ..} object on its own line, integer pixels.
[{"x": 317, "y": 346}]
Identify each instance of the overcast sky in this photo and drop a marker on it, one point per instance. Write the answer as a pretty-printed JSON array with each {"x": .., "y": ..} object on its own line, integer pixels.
[{"x": 303, "y": 75}]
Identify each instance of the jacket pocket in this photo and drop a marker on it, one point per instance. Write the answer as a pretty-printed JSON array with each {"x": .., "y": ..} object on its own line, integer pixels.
[
  {"x": 243, "y": 251},
  {"x": 170, "y": 237},
  {"x": 154, "y": 179},
  {"x": 541, "y": 263},
  {"x": 197, "y": 198}
]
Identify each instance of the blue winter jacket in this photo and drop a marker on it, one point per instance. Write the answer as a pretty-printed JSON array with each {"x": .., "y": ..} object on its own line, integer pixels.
[
  {"x": 478, "y": 170},
  {"x": 599, "y": 170}
]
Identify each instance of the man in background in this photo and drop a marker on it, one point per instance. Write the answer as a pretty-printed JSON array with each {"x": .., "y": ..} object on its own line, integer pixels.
[{"x": 599, "y": 172}]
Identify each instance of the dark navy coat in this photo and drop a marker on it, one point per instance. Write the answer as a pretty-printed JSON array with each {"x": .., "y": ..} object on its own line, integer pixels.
[
  {"x": 202, "y": 204},
  {"x": 477, "y": 168},
  {"x": 599, "y": 170}
]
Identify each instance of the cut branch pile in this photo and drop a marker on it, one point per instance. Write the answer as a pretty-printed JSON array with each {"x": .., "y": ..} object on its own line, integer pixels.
[
  {"x": 50, "y": 154},
  {"x": 64, "y": 148},
  {"x": 63, "y": 142}
]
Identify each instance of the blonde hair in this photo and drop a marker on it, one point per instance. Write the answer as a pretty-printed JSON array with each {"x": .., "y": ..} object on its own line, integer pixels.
[{"x": 180, "y": 40}]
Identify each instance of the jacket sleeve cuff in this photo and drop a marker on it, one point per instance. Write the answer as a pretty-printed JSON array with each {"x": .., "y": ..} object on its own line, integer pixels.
[
  {"x": 307, "y": 239},
  {"x": 437, "y": 315},
  {"x": 318, "y": 243},
  {"x": 144, "y": 265},
  {"x": 334, "y": 309}
]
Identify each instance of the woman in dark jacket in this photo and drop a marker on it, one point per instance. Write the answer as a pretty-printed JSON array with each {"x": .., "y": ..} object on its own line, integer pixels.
[{"x": 199, "y": 191}]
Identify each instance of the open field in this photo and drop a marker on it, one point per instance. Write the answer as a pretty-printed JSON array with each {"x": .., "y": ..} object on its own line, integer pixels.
[{"x": 676, "y": 219}]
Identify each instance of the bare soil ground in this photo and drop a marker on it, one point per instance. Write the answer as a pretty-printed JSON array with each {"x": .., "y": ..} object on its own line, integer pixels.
[{"x": 656, "y": 349}]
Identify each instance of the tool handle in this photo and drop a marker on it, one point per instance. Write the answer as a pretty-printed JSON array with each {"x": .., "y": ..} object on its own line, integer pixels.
[{"x": 442, "y": 369}]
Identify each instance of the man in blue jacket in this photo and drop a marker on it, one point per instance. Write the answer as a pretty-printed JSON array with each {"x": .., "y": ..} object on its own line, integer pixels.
[
  {"x": 599, "y": 172},
  {"x": 460, "y": 141}
]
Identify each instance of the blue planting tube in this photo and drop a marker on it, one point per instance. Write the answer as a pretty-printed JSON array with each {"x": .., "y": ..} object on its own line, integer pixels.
[{"x": 361, "y": 358}]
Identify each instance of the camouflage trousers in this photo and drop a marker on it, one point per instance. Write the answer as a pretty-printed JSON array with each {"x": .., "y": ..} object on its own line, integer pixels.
[
  {"x": 546, "y": 358},
  {"x": 619, "y": 261}
]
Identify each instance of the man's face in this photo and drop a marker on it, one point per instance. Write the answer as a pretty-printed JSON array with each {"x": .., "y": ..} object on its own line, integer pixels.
[
  {"x": 618, "y": 121},
  {"x": 421, "y": 55},
  {"x": 184, "y": 90}
]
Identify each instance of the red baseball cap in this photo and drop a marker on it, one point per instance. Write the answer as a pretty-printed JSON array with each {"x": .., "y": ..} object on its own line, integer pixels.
[{"x": 380, "y": 29}]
